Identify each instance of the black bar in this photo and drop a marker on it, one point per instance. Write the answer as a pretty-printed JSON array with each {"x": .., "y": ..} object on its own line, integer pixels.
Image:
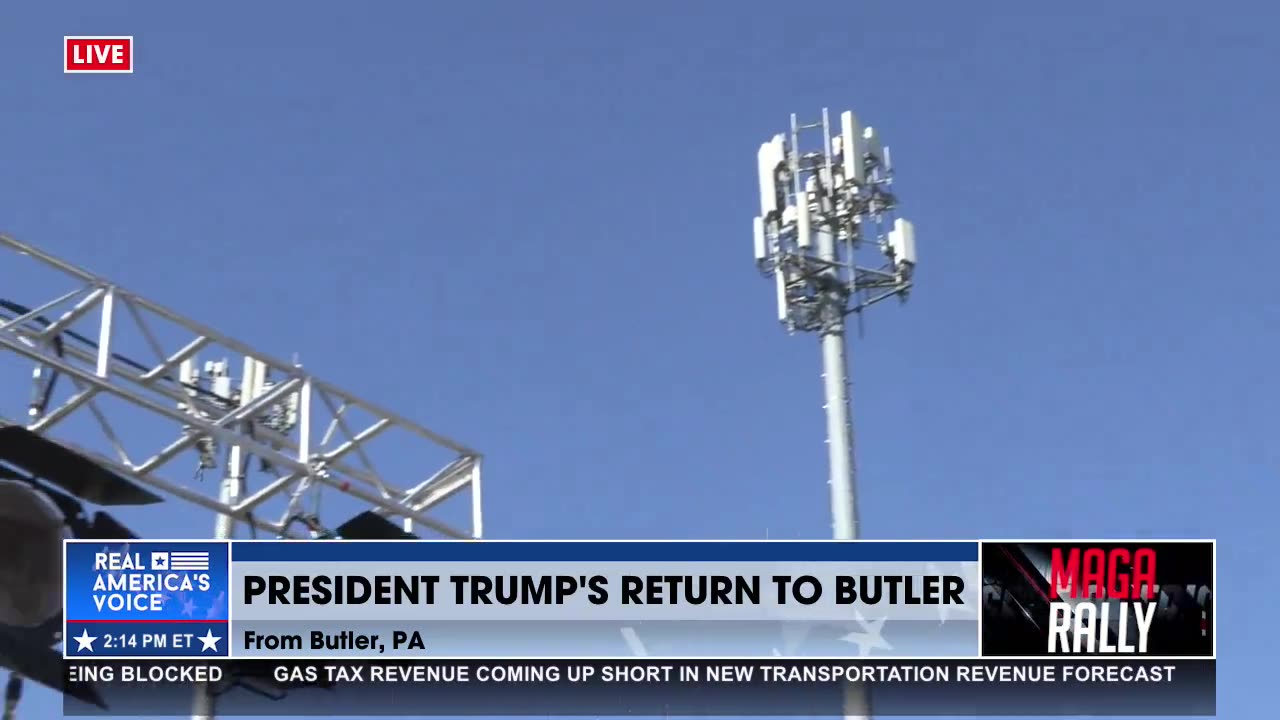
[{"x": 1139, "y": 687}]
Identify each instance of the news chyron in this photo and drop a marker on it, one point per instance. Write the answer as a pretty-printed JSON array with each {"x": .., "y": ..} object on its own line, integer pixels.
[
  {"x": 1039, "y": 598},
  {"x": 1106, "y": 599}
]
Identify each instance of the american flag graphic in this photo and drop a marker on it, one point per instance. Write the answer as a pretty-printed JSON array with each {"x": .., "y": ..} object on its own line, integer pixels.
[{"x": 175, "y": 561}]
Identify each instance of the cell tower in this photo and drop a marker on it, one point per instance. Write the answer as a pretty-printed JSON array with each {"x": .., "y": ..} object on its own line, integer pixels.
[
  {"x": 821, "y": 205},
  {"x": 118, "y": 379}
]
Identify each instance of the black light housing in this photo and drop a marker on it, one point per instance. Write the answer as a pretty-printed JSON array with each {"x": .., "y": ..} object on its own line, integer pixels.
[
  {"x": 65, "y": 477},
  {"x": 369, "y": 525},
  {"x": 69, "y": 470}
]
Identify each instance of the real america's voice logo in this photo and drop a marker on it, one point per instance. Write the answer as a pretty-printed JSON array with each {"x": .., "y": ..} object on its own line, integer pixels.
[
  {"x": 147, "y": 599},
  {"x": 123, "y": 582}
]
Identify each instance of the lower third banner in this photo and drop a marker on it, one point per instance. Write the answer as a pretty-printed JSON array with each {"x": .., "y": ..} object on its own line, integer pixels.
[{"x": 777, "y": 687}]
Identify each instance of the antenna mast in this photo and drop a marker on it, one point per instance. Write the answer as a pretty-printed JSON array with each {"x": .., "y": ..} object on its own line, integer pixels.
[{"x": 820, "y": 206}]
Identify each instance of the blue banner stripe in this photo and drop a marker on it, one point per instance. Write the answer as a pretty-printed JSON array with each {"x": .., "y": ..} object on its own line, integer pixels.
[{"x": 598, "y": 551}]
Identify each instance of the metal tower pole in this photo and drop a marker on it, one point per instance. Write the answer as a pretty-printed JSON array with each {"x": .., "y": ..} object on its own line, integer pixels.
[
  {"x": 842, "y": 467},
  {"x": 818, "y": 206},
  {"x": 204, "y": 706},
  {"x": 838, "y": 405}
]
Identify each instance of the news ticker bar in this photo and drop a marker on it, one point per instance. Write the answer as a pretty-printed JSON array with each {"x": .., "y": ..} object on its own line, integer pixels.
[
  {"x": 601, "y": 688},
  {"x": 289, "y": 600}
]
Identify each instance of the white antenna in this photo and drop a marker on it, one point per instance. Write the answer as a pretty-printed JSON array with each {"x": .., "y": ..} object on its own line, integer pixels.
[
  {"x": 771, "y": 157},
  {"x": 839, "y": 196},
  {"x": 762, "y": 248},
  {"x": 851, "y": 147}
]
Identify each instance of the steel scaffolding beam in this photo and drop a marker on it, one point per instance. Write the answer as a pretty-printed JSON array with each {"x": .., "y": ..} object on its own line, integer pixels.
[{"x": 139, "y": 402}]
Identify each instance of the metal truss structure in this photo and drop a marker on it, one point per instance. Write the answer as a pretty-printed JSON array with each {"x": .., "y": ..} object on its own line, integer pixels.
[{"x": 118, "y": 378}]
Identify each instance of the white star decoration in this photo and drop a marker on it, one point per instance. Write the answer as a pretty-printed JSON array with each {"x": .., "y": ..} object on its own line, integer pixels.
[
  {"x": 216, "y": 606},
  {"x": 632, "y": 639},
  {"x": 793, "y": 636},
  {"x": 870, "y": 638},
  {"x": 971, "y": 581},
  {"x": 209, "y": 641},
  {"x": 84, "y": 641},
  {"x": 124, "y": 549}
]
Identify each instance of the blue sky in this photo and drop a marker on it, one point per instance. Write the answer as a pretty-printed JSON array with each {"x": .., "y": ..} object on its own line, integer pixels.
[{"x": 528, "y": 225}]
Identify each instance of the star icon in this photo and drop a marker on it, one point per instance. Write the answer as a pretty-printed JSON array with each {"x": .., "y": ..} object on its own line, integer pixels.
[
  {"x": 84, "y": 641},
  {"x": 870, "y": 638},
  {"x": 794, "y": 634},
  {"x": 121, "y": 550},
  {"x": 209, "y": 641},
  {"x": 216, "y": 607},
  {"x": 971, "y": 580},
  {"x": 634, "y": 643},
  {"x": 188, "y": 607}
]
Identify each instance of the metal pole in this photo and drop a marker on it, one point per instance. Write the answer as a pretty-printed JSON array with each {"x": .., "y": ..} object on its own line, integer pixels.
[
  {"x": 844, "y": 503},
  {"x": 844, "y": 507},
  {"x": 223, "y": 529},
  {"x": 835, "y": 381}
]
